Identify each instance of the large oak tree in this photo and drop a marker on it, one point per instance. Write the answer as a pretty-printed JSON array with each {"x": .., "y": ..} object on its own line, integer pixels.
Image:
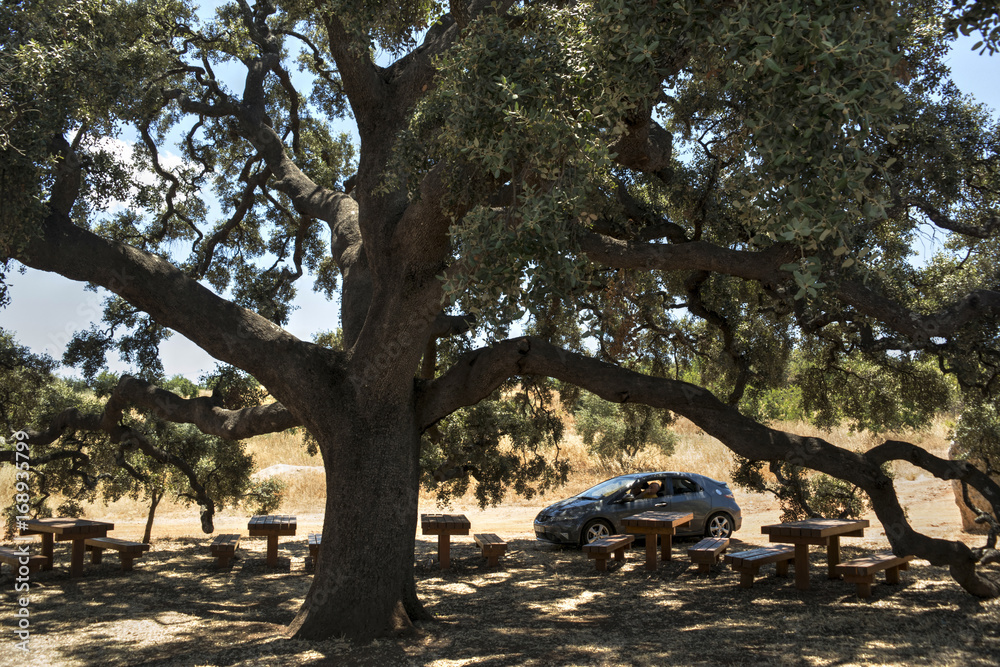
[{"x": 668, "y": 199}]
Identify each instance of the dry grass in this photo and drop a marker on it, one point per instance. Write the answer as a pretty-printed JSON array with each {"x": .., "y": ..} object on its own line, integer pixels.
[
  {"x": 695, "y": 451},
  {"x": 286, "y": 447}
]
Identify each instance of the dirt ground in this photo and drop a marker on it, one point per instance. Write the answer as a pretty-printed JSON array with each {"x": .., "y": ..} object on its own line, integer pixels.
[{"x": 544, "y": 606}]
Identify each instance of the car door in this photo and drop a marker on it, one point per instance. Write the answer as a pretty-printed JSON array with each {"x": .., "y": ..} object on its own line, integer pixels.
[
  {"x": 687, "y": 496},
  {"x": 627, "y": 508}
]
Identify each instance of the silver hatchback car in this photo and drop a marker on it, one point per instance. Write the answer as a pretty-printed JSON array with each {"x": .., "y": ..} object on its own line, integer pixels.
[{"x": 598, "y": 511}]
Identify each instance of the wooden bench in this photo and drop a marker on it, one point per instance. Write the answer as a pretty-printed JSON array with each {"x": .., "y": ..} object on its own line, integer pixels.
[
  {"x": 706, "y": 553},
  {"x": 493, "y": 547},
  {"x": 315, "y": 539},
  {"x": 601, "y": 550},
  {"x": 13, "y": 558},
  {"x": 223, "y": 547},
  {"x": 861, "y": 571},
  {"x": 127, "y": 551},
  {"x": 748, "y": 563}
]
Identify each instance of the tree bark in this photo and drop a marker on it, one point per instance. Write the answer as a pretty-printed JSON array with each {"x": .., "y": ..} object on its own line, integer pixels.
[{"x": 364, "y": 585}]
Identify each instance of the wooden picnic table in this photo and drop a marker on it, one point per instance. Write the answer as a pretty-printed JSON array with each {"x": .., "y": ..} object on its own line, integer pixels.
[
  {"x": 821, "y": 532},
  {"x": 655, "y": 523},
  {"x": 271, "y": 526},
  {"x": 444, "y": 526},
  {"x": 65, "y": 529}
]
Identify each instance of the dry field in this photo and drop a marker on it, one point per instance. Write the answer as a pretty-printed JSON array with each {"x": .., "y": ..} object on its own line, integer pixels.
[{"x": 543, "y": 606}]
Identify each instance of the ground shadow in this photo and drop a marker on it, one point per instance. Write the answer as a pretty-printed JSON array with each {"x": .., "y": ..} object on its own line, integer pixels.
[{"x": 543, "y": 605}]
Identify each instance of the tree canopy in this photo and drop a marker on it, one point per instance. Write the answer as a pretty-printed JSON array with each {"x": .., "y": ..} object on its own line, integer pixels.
[{"x": 669, "y": 204}]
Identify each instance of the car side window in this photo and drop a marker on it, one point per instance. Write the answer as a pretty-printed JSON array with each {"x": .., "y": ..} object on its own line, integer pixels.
[
  {"x": 649, "y": 488},
  {"x": 682, "y": 486}
]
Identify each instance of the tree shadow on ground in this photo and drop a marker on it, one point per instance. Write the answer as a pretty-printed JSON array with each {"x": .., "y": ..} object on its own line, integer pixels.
[{"x": 543, "y": 606}]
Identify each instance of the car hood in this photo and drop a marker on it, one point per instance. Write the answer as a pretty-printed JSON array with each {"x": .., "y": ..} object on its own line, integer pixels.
[{"x": 570, "y": 505}]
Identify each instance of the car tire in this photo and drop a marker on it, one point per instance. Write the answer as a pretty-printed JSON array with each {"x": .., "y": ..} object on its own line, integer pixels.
[
  {"x": 719, "y": 525},
  {"x": 595, "y": 529}
]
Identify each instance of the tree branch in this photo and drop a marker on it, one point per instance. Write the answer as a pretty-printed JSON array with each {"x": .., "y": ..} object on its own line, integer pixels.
[
  {"x": 478, "y": 373},
  {"x": 976, "y": 305},
  {"x": 226, "y": 331},
  {"x": 762, "y": 266},
  {"x": 990, "y": 224},
  {"x": 131, "y": 392}
]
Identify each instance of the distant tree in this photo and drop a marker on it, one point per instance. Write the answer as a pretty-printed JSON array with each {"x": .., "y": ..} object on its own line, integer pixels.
[
  {"x": 619, "y": 431},
  {"x": 150, "y": 459},
  {"x": 976, "y": 439},
  {"x": 181, "y": 386}
]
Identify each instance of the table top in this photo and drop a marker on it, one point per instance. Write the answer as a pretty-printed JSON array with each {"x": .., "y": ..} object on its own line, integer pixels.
[
  {"x": 818, "y": 528},
  {"x": 67, "y": 526},
  {"x": 272, "y": 522},
  {"x": 450, "y": 522},
  {"x": 657, "y": 519}
]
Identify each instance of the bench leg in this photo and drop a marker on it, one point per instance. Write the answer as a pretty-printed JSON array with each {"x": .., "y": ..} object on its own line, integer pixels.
[
  {"x": 892, "y": 575},
  {"x": 704, "y": 568},
  {"x": 223, "y": 559},
  {"x": 96, "y": 556},
  {"x": 127, "y": 560},
  {"x": 864, "y": 589},
  {"x": 272, "y": 551},
  {"x": 601, "y": 563},
  {"x": 781, "y": 568},
  {"x": 620, "y": 555},
  {"x": 444, "y": 551},
  {"x": 746, "y": 578}
]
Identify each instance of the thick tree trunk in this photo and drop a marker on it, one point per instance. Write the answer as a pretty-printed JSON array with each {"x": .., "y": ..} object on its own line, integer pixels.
[{"x": 364, "y": 586}]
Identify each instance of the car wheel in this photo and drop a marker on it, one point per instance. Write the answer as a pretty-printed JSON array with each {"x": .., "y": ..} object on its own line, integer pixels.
[
  {"x": 595, "y": 530},
  {"x": 719, "y": 525}
]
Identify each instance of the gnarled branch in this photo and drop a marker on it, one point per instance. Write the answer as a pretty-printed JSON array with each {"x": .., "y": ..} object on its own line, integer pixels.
[{"x": 481, "y": 371}]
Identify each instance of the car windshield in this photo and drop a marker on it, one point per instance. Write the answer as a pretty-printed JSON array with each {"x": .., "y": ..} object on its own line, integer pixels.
[{"x": 605, "y": 489}]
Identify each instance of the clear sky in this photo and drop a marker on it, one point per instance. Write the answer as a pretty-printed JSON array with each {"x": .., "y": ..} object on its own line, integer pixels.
[{"x": 46, "y": 309}]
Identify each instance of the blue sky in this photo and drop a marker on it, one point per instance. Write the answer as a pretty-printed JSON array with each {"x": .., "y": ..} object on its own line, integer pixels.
[{"x": 47, "y": 309}]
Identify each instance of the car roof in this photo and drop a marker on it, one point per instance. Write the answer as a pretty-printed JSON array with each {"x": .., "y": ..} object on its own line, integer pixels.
[
  {"x": 673, "y": 473},
  {"x": 662, "y": 473},
  {"x": 666, "y": 472}
]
